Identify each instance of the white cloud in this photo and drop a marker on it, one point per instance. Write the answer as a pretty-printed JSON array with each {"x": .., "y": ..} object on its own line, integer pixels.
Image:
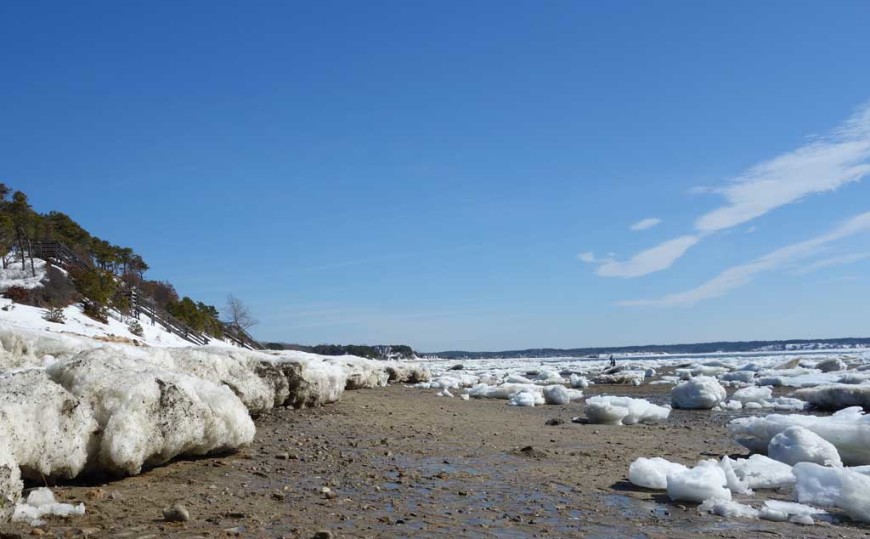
[
  {"x": 740, "y": 275},
  {"x": 588, "y": 257},
  {"x": 823, "y": 165},
  {"x": 646, "y": 223},
  {"x": 841, "y": 260},
  {"x": 655, "y": 259}
]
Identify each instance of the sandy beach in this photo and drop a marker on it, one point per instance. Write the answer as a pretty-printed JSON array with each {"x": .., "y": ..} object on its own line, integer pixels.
[{"x": 403, "y": 462}]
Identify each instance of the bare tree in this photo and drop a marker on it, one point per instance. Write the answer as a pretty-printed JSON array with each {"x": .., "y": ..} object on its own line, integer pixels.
[{"x": 238, "y": 314}]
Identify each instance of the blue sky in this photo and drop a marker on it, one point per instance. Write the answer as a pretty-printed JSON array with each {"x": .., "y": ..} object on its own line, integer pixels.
[{"x": 463, "y": 175}]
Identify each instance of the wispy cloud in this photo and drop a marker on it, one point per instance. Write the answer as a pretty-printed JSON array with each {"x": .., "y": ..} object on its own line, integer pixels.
[
  {"x": 741, "y": 275},
  {"x": 823, "y": 165},
  {"x": 646, "y": 223},
  {"x": 833, "y": 261},
  {"x": 655, "y": 259}
]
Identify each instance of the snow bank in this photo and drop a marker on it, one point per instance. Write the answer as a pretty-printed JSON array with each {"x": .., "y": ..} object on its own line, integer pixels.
[
  {"x": 706, "y": 480},
  {"x": 46, "y": 429},
  {"x": 836, "y": 396},
  {"x": 233, "y": 367},
  {"x": 699, "y": 392},
  {"x": 21, "y": 348},
  {"x": 848, "y": 430},
  {"x": 797, "y": 444},
  {"x": 623, "y": 410},
  {"x": 41, "y": 503},
  {"x": 837, "y": 487},
  {"x": 303, "y": 380},
  {"x": 15, "y": 275},
  {"x": 653, "y": 472},
  {"x": 10, "y": 482},
  {"x": 407, "y": 373},
  {"x": 148, "y": 414},
  {"x": 361, "y": 373}
]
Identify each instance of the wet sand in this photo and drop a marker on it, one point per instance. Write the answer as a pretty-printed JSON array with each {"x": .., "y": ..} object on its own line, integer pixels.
[{"x": 402, "y": 462}]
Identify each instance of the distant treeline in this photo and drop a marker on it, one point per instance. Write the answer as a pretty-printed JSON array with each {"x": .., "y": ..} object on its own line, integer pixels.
[
  {"x": 693, "y": 348},
  {"x": 392, "y": 351}
]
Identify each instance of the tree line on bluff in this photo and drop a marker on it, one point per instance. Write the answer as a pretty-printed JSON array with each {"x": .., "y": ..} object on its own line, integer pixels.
[
  {"x": 107, "y": 269},
  {"x": 393, "y": 351}
]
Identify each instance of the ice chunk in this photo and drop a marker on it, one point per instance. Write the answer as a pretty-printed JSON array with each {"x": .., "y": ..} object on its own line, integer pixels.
[
  {"x": 579, "y": 382},
  {"x": 40, "y": 503},
  {"x": 781, "y": 511},
  {"x": 836, "y": 396},
  {"x": 623, "y": 410},
  {"x": 517, "y": 379},
  {"x": 831, "y": 365},
  {"x": 752, "y": 394},
  {"x": 848, "y": 430},
  {"x": 728, "y": 509},
  {"x": 734, "y": 483},
  {"x": 556, "y": 394},
  {"x": 635, "y": 378},
  {"x": 504, "y": 391},
  {"x": 148, "y": 414},
  {"x": 652, "y": 472},
  {"x": 730, "y": 405},
  {"x": 738, "y": 376},
  {"x": 47, "y": 428},
  {"x": 797, "y": 444},
  {"x": 705, "y": 480},
  {"x": 548, "y": 377},
  {"x": 838, "y": 487},
  {"x": 699, "y": 392},
  {"x": 525, "y": 398},
  {"x": 759, "y": 471}
]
